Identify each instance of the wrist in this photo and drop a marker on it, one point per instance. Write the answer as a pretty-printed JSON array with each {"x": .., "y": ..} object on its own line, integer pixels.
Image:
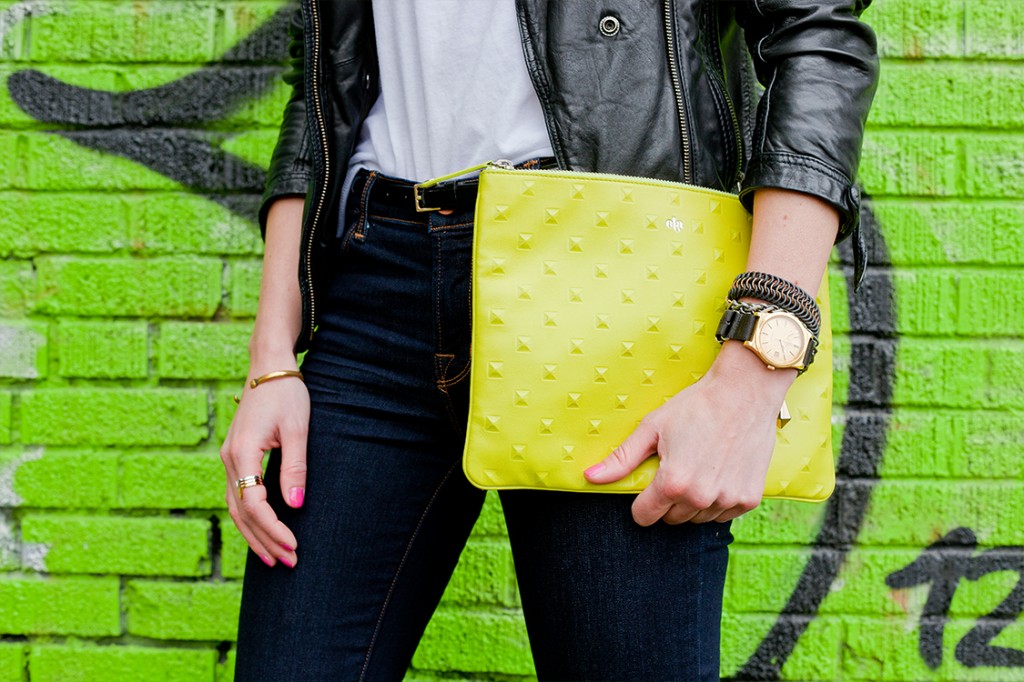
[
  {"x": 268, "y": 355},
  {"x": 738, "y": 366}
]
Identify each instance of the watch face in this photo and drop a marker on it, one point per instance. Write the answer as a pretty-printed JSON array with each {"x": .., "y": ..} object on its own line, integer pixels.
[{"x": 781, "y": 341}]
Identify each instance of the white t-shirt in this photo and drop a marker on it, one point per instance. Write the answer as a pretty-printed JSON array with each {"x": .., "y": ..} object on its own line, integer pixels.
[{"x": 454, "y": 90}]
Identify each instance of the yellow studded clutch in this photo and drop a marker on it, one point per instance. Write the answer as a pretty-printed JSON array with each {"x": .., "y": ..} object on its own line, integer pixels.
[{"x": 595, "y": 299}]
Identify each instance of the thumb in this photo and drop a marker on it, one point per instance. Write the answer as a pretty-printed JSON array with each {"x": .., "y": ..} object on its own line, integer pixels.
[
  {"x": 637, "y": 447},
  {"x": 293, "y": 466}
]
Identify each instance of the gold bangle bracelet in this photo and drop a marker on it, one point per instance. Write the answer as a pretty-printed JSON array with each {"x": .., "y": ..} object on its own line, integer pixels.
[
  {"x": 270, "y": 376},
  {"x": 275, "y": 375}
]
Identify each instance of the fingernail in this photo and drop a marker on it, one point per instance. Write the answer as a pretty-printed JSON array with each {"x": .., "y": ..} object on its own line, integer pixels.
[
  {"x": 267, "y": 560},
  {"x": 596, "y": 469},
  {"x": 296, "y": 497},
  {"x": 287, "y": 562},
  {"x": 288, "y": 548}
]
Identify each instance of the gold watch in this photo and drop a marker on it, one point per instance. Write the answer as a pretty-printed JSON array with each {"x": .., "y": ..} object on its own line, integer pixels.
[{"x": 776, "y": 336}]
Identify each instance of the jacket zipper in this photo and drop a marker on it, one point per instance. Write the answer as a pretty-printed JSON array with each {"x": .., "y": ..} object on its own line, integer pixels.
[
  {"x": 322, "y": 130},
  {"x": 677, "y": 90}
]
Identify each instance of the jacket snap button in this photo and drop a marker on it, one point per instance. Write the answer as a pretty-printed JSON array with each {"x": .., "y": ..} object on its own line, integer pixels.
[
  {"x": 366, "y": 81},
  {"x": 609, "y": 26}
]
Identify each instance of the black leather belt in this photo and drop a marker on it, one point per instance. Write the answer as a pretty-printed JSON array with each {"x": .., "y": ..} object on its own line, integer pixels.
[{"x": 451, "y": 195}]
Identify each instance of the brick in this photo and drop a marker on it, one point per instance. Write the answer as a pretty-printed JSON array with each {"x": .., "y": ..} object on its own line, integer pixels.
[
  {"x": 186, "y": 223},
  {"x": 993, "y": 30},
  {"x": 183, "y": 611},
  {"x": 816, "y": 656},
  {"x": 137, "y": 32},
  {"x": 916, "y": 513},
  {"x": 6, "y": 400},
  {"x": 778, "y": 522},
  {"x": 917, "y": 28},
  {"x": 67, "y": 479},
  {"x": 17, "y": 284},
  {"x": 102, "y": 416},
  {"x": 910, "y": 164},
  {"x": 934, "y": 373},
  {"x": 485, "y": 575},
  {"x": 189, "y": 350},
  {"x": 12, "y": 662},
  {"x": 838, "y": 301},
  {"x": 760, "y": 580},
  {"x": 169, "y": 480},
  {"x": 233, "y": 549},
  {"x": 11, "y": 164},
  {"x": 226, "y": 668},
  {"x": 926, "y": 299},
  {"x": 993, "y": 165},
  {"x": 491, "y": 521},
  {"x": 62, "y": 222},
  {"x": 103, "y": 350},
  {"x": 254, "y": 146},
  {"x": 475, "y": 641},
  {"x": 957, "y": 94},
  {"x": 183, "y": 287},
  {"x": 80, "y": 663},
  {"x": 224, "y": 411},
  {"x": 129, "y": 546},
  {"x": 52, "y": 162},
  {"x": 881, "y": 650},
  {"x": 244, "y": 281},
  {"x": 88, "y": 607},
  {"x": 22, "y": 349},
  {"x": 928, "y": 233},
  {"x": 960, "y": 444},
  {"x": 241, "y": 19}
]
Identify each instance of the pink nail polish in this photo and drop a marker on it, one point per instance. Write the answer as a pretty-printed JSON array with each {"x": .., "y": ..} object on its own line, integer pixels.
[
  {"x": 288, "y": 563},
  {"x": 597, "y": 468},
  {"x": 296, "y": 497},
  {"x": 287, "y": 547},
  {"x": 267, "y": 560}
]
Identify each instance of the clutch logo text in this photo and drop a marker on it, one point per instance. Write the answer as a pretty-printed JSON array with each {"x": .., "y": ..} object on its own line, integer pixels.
[{"x": 674, "y": 224}]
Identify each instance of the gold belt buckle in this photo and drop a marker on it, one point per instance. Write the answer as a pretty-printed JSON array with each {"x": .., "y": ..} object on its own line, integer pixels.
[{"x": 418, "y": 200}]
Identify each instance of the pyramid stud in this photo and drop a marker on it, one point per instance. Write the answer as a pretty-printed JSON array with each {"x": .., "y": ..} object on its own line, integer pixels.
[
  {"x": 576, "y": 244},
  {"x": 518, "y": 453},
  {"x": 497, "y": 266},
  {"x": 567, "y": 451},
  {"x": 601, "y": 321},
  {"x": 495, "y": 370},
  {"x": 578, "y": 191},
  {"x": 524, "y": 292},
  {"x": 700, "y": 277},
  {"x": 697, "y": 227},
  {"x": 601, "y": 219},
  {"x": 551, "y": 268},
  {"x": 550, "y": 318},
  {"x": 627, "y": 195},
  {"x": 678, "y": 299},
  {"x": 572, "y": 400},
  {"x": 497, "y": 316},
  {"x": 718, "y": 255},
  {"x": 627, "y": 349},
  {"x": 523, "y": 344},
  {"x": 575, "y": 346},
  {"x": 651, "y": 222},
  {"x": 551, "y": 216},
  {"x": 528, "y": 188},
  {"x": 601, "y": 270},
  {"x": 653, "y": 324},
  {"x": 736, "y": 236},
  {"x": 594, "y": 427},
  {"x": 648, "y": 377},
  {"x": 524, "y": 242},
  {"x": 620, "y": 401},
  {"x": 491, "y": 423},
  {"x": 545, "y": 427},
  {"x": 626, "y": 246},
  {"x": 600, "y": 375},
  {"x": 714, "y": 206},
  {"x": 651, "y": 273},
  {"x": 675, "y": 200},
  {"x": 627, "y": 296},
  {"x": 699, "y": 328},
  {"x": 500, "y": 213},
  {"x": 520, "y": 398},
  {"x": 575, "y": 295},
  {"x": 674, "y": 351},
  {"x": 549, "y": 373},
  {"x": 677, "y": 248}
]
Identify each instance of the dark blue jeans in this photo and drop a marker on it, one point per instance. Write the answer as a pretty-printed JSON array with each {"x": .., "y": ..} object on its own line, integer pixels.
[{"x": 388, "y": 510}]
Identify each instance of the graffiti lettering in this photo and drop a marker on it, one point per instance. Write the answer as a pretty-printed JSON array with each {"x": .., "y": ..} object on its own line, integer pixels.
[{"x": 942, "y": 565}]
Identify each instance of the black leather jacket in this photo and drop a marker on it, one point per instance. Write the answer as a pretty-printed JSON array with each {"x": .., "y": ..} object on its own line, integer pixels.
[{"x": 677, "y": 100}]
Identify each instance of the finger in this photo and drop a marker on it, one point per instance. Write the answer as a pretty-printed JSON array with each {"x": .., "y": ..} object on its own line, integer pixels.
[
  {"x": 293, "y": 465},
  {"x": 637, "y": 447},
  {"x": 259, "y": 516},
  {"x": 250, "y": 538},
  {"x": 650, "y": 506}
]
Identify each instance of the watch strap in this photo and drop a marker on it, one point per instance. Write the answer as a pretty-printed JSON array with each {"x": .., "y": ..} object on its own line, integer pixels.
[{"x": 737, "y": 325}]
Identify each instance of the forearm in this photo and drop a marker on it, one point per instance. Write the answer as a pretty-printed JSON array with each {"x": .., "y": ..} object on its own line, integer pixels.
[
  {"x": 793, "y": 234},
  {"x": 279, "y": 315}
]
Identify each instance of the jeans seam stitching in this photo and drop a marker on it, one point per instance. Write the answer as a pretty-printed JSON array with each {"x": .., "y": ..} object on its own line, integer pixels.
[
  {"x": 398, "y": 571},
  {"x": 360, "y": 231}
]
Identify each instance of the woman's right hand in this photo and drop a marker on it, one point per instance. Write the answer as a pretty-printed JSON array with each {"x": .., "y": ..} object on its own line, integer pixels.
[{"x": 273, "y": 415}]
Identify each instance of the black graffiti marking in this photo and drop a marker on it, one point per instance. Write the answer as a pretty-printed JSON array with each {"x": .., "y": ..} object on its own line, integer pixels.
[
  {"x": 943, "y": 564},
  {"x": 872, "y": 365},
  {"x": 151, "y": 126}
]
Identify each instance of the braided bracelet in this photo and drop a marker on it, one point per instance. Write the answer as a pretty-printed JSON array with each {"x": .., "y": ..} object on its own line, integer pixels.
[{"x": 780, "y": 292}]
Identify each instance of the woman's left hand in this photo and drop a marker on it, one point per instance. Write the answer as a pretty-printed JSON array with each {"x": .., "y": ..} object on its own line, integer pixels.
[{"x": 714, "y": 439}]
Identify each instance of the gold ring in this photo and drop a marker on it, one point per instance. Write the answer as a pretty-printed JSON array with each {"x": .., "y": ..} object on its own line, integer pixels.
[{"x": 248, "y": 482}]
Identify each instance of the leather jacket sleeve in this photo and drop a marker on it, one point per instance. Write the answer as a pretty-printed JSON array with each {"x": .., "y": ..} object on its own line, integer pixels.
[
  {"x": 819, "y": 67},
  {"x": 291, "y": 166}
]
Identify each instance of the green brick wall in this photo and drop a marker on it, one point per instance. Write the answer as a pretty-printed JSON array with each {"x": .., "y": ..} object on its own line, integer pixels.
[{"x": 129, "y": 276}]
